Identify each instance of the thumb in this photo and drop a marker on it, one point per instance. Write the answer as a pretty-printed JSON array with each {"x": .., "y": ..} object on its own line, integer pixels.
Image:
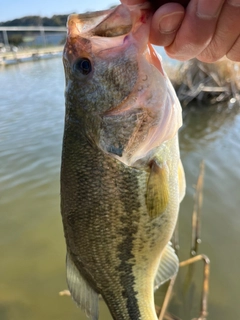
[{"x": 165, "y": 24}]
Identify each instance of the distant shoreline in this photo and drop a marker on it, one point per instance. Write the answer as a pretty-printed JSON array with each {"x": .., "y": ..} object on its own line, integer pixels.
[{"x": 30, "y": 54}]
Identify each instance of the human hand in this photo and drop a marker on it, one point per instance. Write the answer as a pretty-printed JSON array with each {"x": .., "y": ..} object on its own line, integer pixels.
[{"x": 206, "y": 30}]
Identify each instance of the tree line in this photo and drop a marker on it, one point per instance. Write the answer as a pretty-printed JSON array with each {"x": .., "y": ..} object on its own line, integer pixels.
[{"x": 54, "y": 21}]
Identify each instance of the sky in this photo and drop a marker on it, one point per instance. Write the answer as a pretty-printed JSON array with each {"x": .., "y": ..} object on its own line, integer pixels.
[{"x": 12, "y": 9}]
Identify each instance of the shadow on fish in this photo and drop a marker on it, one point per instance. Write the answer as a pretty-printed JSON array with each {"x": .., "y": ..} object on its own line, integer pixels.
[{"x": 121, "y": 176}]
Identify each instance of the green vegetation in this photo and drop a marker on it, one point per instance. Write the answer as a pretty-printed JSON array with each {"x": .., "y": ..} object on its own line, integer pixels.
[{"x": 15, "y": 39}]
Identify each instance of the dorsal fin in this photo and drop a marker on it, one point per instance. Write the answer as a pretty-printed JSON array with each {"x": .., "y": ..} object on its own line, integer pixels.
[
  {"x": 168, "y": 266},
  {"x": 81, "y": 292}
]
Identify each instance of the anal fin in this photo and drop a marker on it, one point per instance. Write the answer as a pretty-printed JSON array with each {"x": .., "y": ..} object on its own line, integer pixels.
[
  {"x": 81, "y": 292},
  {"x": 157, "y": 189},
  {"x": 168, "y": 266}
]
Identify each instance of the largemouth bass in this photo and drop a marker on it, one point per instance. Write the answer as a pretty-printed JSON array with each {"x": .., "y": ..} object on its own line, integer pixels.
[{"x": 121, "y": 175}]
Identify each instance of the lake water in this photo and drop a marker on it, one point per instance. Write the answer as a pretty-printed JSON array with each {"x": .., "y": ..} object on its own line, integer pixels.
[{"x": 32, "y": 267}]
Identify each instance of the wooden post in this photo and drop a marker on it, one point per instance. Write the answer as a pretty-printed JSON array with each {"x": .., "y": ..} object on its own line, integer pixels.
[{"x": 5, "y": 38}]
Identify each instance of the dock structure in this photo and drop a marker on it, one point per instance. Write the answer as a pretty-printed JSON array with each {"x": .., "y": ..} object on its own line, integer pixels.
[
  {"x": 29, "y": 54},
  {"x": 9, "y": 57},
  {"x": 41, "y": 30}
]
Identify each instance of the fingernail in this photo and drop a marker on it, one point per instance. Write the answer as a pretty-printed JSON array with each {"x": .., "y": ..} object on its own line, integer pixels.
[
  {"x": 170, "y": 22},
  {"x": 209, "y": 9},
  {"x": 235, "y": 3}
]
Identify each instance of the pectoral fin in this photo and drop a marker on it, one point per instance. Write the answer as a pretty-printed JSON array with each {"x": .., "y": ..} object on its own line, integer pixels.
[
  {"x": 80, "y": 290},
  {"x": 157, "y": 190},
  {"x": 168, "y": 266}
]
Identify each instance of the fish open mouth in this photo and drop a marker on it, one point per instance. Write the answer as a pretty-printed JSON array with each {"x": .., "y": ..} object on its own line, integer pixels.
[
  {"x": 117, "y": 23},
  {"x": 109, "y": 23}
]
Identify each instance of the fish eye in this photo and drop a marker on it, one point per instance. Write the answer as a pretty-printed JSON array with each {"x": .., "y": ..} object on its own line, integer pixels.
[{"x": 83, "y": 65}]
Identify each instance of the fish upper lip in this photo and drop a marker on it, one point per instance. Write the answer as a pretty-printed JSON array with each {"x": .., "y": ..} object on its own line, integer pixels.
[{"x": 121, "y": 44}]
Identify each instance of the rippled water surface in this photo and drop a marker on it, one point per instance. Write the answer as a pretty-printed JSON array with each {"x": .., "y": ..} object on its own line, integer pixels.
[{"x": 32, "y": 267}]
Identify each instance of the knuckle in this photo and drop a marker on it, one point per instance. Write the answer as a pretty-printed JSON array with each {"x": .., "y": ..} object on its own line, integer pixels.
[
  {"x": 234, "y": 56},
  {"x": 234, "y": 53},
  {"x": 208, "y": 56},
  {"x": 189, "y": 46},
  {"x": 181, "y": 51},
  {"x": 213, "y": 52}
]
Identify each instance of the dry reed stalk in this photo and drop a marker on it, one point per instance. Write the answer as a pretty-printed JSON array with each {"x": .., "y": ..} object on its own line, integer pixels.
[
  {"x": 196, "y": 216},
  {"x": 162, "y": 314},
  {"x": 207, "y": 83},
  {"x": 205, "y": 288}
]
